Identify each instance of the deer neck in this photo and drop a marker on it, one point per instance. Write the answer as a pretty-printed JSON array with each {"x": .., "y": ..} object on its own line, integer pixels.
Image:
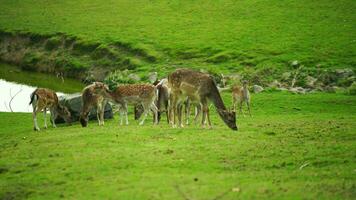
[{"x": 216, "y": 98}]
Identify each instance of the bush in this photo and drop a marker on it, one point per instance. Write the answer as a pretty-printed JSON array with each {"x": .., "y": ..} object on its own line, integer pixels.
[{"x": 118, "y": 77}]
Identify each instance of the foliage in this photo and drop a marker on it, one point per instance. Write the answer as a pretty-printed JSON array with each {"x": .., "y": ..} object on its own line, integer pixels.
[{"x": 118, "y": 77}]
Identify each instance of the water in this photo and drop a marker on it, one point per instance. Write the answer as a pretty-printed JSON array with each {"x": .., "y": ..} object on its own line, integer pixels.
[
  {"x": 20, "y": 95},
  {"x": 14, "y": 81}
]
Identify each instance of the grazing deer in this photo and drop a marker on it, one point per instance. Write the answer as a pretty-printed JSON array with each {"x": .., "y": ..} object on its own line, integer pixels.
[
  {"x": 43, "y": 99},
  {"x": 134, "y": 94},
  {"x": 199, "y": 87},
  {"x": 241, "y": 95},
  {"x": 91, "y": 97}
]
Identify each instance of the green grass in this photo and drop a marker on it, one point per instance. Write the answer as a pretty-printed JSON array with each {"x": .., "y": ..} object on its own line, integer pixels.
[
  {"x": 263, "y": 159},
  {"x": 224, "y": 35}
]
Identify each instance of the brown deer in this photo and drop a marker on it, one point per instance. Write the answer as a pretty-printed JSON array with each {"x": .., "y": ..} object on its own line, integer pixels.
[
  {"x": 201, "y": 87},
  {"x": 43, "y": 99},
  {"x": 161, "y": 102},
  {"x": 241, "y": 95},
  {"x": 92, "y": 97},
  {"x": 134, "y": 94}
]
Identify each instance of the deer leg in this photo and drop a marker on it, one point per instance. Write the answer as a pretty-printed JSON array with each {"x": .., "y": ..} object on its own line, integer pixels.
[
  {"x": 241, "y": 110},
  {"x": 34, "y": 115},
  {"x": 208, "y": 117},
  {"x": 187, "y": 112},
  {"x": 155, "y": 113},
  {"x": 53, "y": 117},
  {"x": 145, "y": 112},
  {"x": 205, "y": 108},
  {"x": 197, "y": 113},
  {"x": 248, "y": 107},
  {"x": 45, "y": 118},
  {"x": 102, "y": 112},
  {"x": 173, "y": 111},
  {"x": 180, "y": 115},
  {"x": 121, "y": 110},
  {"x": 98, "y": 110}
]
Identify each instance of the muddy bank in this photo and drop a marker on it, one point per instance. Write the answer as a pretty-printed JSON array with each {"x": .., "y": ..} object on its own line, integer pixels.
[{"x": 69, "y": 56}]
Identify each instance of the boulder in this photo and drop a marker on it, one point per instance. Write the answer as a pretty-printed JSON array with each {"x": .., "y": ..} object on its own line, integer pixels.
[
  {"x": 297, "y": 90},
  {"x": 344, "y": 73},
  {"x": 275, "y": 84},
  {"x": 257, "y": 89},
  {"x": 295, "y": 63},
  {"x": 74, "y": 103},
  {"x": 310, "y": 81}
]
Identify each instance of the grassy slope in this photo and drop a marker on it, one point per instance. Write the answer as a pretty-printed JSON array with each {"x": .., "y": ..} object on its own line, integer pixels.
[
  {"x": 234, "y": 34},
  {"x": 263, "y": 159}
]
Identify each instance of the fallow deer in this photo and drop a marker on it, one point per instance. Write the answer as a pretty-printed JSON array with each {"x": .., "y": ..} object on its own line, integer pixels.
[
  {"x": 241, "y": 95},
  {"x": 198, "y": 87},
  {"x": 161, "y": 102},
  {"x": 43, "y": 99},
  {"x": 134, "y": 94},
  {"x": 91, "y": 97}
]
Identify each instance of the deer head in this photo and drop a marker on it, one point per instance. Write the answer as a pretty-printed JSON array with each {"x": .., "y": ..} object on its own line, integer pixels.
[
  {"x": 83, "y": 121},
  {"x": 101, "y": 88},
  {"x": 65, "y": 114},
  {"x": 229, "y": 118}
]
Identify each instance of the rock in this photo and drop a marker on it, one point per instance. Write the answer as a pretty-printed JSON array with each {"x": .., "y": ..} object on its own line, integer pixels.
[
  {"x": 331, "y": 89},
  {"x": 134, "y": 77},
  {"x": 275, "y": 84},
  {"x": 286, "y": 75},
  {"x": 295, "y": 63},
  {"x": 311, "y": 81},
  {"x": 282, "y": 89},
  {"x": 257, "y": 89},
  {"x": 152, "y": 77},
  {"x": 344, "y": 73},
  {"x": 297, "y": 90},
  {"x": 74, "y": 104}
]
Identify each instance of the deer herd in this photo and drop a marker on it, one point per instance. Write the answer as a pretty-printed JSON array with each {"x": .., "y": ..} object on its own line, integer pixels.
[{"x": 182, "y": 88}]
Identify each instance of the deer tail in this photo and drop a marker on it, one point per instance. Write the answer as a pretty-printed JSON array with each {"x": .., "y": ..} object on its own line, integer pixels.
[{"x": 33, "y": 97}]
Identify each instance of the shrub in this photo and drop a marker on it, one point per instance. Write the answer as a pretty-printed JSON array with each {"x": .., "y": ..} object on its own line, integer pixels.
[{"x": 118, "y": 77}]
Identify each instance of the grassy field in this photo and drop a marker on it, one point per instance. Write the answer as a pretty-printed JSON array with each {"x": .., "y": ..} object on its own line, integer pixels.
[
  {"x": 224, "y": 35},
  {"x": 294, "y": 147}
]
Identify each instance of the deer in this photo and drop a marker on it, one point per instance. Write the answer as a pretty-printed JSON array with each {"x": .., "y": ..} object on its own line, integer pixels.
[
  {"x": 200, "y": 87},
  {"x": 241, "y": 95},
  {"x": 161, "y": 102},
  {"x": 43, "y": 99},
  {"x": 91, "y": 97},
  {"x": 133, "y": 94}
]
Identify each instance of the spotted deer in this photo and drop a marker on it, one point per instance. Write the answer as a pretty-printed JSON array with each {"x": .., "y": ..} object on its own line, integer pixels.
[
  {"x": 241, "y": 95},
  {"x": 92, "y": 97},
  {"x": 161, "y": 102},
  {"x": 200, "y": 87},
  {"x": 134, "y": 94},
  {"x": 43, "y": 99}
]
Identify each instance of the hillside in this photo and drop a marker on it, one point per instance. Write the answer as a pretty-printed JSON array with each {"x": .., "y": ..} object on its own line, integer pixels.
[{"x": 221, "y": 36}]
